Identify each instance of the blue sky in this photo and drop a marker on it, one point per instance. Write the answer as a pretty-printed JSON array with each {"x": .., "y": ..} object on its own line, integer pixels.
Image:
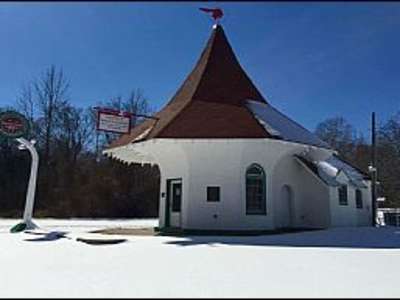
[{"x": 311, "y": 60}]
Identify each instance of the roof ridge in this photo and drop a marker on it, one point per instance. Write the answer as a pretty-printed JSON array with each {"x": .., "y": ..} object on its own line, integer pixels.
[
  {"x": 188, "y": 102},
  {"x": 222, "y": 57},
  {"x": 217, "y": 79}
]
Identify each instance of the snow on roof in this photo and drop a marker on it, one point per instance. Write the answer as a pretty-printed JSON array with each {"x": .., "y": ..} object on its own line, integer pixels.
[
  {"x": 329, "y": 169},
  {"x": 278, "y": 125},
  {"x": 270, "y": 130},
  {"x": 327, "y": 173},
  {"x": 356, "y": 177},
  {"x": 143, "y": 134}
]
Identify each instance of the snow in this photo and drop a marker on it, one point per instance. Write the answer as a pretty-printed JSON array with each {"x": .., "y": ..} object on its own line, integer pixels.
[
  {"x": 329, "y": 169},
  {"x": 277, "y": 124},
  {"x": 355, "y": 176},
  {"x": 341, "y": 262},
  {"x": 143, "y": 134},
  {"x": 268, "y": 128},
  {"x": 82, "y": 225}
]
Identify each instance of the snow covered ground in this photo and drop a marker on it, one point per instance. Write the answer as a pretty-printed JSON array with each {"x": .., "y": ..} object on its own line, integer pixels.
[
  {"x": 81, "y": 225},
  {"x": 346, "y": 262}
]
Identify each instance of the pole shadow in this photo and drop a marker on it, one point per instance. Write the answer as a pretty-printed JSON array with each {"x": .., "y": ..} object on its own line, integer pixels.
[{"x": 47, "y": 237}]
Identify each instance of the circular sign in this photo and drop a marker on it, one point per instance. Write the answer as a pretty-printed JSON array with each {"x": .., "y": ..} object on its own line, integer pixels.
[{"x": 13, "y": 124}]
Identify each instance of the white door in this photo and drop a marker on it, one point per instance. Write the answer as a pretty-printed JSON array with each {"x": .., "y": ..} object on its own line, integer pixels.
[
  {"x": 175, "y": 197},
  {"x": 286, "y": 207}
]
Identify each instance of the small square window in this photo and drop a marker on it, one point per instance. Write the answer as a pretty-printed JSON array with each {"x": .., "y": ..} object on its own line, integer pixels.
[{"x": 213, "y": 193}]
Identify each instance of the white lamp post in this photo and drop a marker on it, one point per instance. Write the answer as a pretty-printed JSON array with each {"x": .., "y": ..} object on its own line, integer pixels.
[
  {"x": 15, "y": 125},
  {"x": 30, "y": 195}
]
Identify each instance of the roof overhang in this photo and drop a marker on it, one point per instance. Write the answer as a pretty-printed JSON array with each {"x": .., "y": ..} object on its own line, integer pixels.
[{"x": 131, "y": 153}]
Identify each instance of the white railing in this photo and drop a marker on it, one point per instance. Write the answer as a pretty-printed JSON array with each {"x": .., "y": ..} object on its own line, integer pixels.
[{"x": 391, "y": 216}]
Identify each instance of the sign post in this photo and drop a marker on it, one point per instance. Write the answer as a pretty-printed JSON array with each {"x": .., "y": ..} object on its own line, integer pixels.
[{"x": 13, "y": 125}]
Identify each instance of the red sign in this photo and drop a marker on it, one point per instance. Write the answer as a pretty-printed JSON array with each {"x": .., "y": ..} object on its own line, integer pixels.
[{"x": 13, "y": 124}]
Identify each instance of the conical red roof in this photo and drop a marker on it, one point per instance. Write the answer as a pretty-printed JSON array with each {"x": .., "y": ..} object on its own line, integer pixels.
[{"x": 210, "y": 103}]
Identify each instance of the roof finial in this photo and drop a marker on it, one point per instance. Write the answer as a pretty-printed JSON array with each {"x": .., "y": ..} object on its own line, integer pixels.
[{"x": 216, "y": 14}]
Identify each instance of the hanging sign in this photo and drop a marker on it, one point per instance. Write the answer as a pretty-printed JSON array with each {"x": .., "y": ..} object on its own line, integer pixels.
[
  {"x": 113, "y": 121},
  {"x": 13, "y": 124}
]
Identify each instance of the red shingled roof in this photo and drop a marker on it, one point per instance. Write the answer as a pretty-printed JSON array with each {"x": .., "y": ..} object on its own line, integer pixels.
[{"x": 210, "y": 102}]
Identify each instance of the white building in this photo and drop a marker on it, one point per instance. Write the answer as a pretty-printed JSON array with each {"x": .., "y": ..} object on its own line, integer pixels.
[{"x": 230, "y": 161}]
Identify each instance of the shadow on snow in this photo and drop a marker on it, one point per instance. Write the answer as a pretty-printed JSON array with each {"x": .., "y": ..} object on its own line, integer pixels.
[
  {"x": 47, "y": 237},
  {"x": 358, "y": 238}
]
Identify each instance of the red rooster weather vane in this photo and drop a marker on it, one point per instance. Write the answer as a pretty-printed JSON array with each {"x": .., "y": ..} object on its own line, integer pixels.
[{"x": 216, "y": 13}]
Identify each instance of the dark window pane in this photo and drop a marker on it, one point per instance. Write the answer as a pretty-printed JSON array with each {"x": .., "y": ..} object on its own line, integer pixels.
[
  {"x": 176, "y": 197},
  {"x": 342, "y": 194},
  {"x": 255, "y": 190},
  {"x": 213, "y": 193},
  {"x": 359, "y": 203}
]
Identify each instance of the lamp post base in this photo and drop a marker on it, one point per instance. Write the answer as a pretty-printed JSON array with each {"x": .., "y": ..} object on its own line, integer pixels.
[{"x": 20, "y": 227}]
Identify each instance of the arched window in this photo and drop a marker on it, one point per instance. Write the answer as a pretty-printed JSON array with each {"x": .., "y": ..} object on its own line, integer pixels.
[{"x": 255, "y": 191}]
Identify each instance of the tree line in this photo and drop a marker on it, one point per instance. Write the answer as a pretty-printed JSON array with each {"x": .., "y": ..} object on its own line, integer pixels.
[
  {"x": 76, "y": 180},
  {"x": 354, "y": 148}
]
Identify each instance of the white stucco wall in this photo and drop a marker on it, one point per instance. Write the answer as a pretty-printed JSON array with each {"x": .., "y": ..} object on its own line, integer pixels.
[
  {"x": 310, "y": 196},
  {"x": 364, "y": 215},
  {"x": 314, "y": 201},
  {"x": 220, "y": 162},
  {"x": 223, "y": 162},
  {"x": 349, "y": 215}
]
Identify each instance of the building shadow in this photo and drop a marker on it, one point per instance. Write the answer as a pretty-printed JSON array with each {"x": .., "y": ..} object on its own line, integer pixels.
[{"x": 353, "y": 238}]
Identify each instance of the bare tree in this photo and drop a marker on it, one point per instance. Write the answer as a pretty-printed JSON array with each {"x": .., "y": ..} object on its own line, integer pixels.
[
  {"x": 73, "y": 132},
  {"x": 26, "y": 103},
  {"x": 76, "y": 185},
  {"x": 136, "y": 103},
  {"x": 389, "y": 159},
  {"x": 339, "y": 134},
  {"x": 51, "y": 93}
]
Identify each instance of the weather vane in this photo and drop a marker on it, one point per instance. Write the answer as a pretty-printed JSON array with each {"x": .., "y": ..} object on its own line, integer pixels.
[{"x": 216, "y": 13}]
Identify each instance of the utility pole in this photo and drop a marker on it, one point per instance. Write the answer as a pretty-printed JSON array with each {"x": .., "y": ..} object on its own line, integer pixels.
[
  {"x": 97, "y": 146},
  {"x": 373, "y": 171}
]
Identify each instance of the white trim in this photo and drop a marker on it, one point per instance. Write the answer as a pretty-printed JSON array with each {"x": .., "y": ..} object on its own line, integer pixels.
[{"x": 113, "y": 151}]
